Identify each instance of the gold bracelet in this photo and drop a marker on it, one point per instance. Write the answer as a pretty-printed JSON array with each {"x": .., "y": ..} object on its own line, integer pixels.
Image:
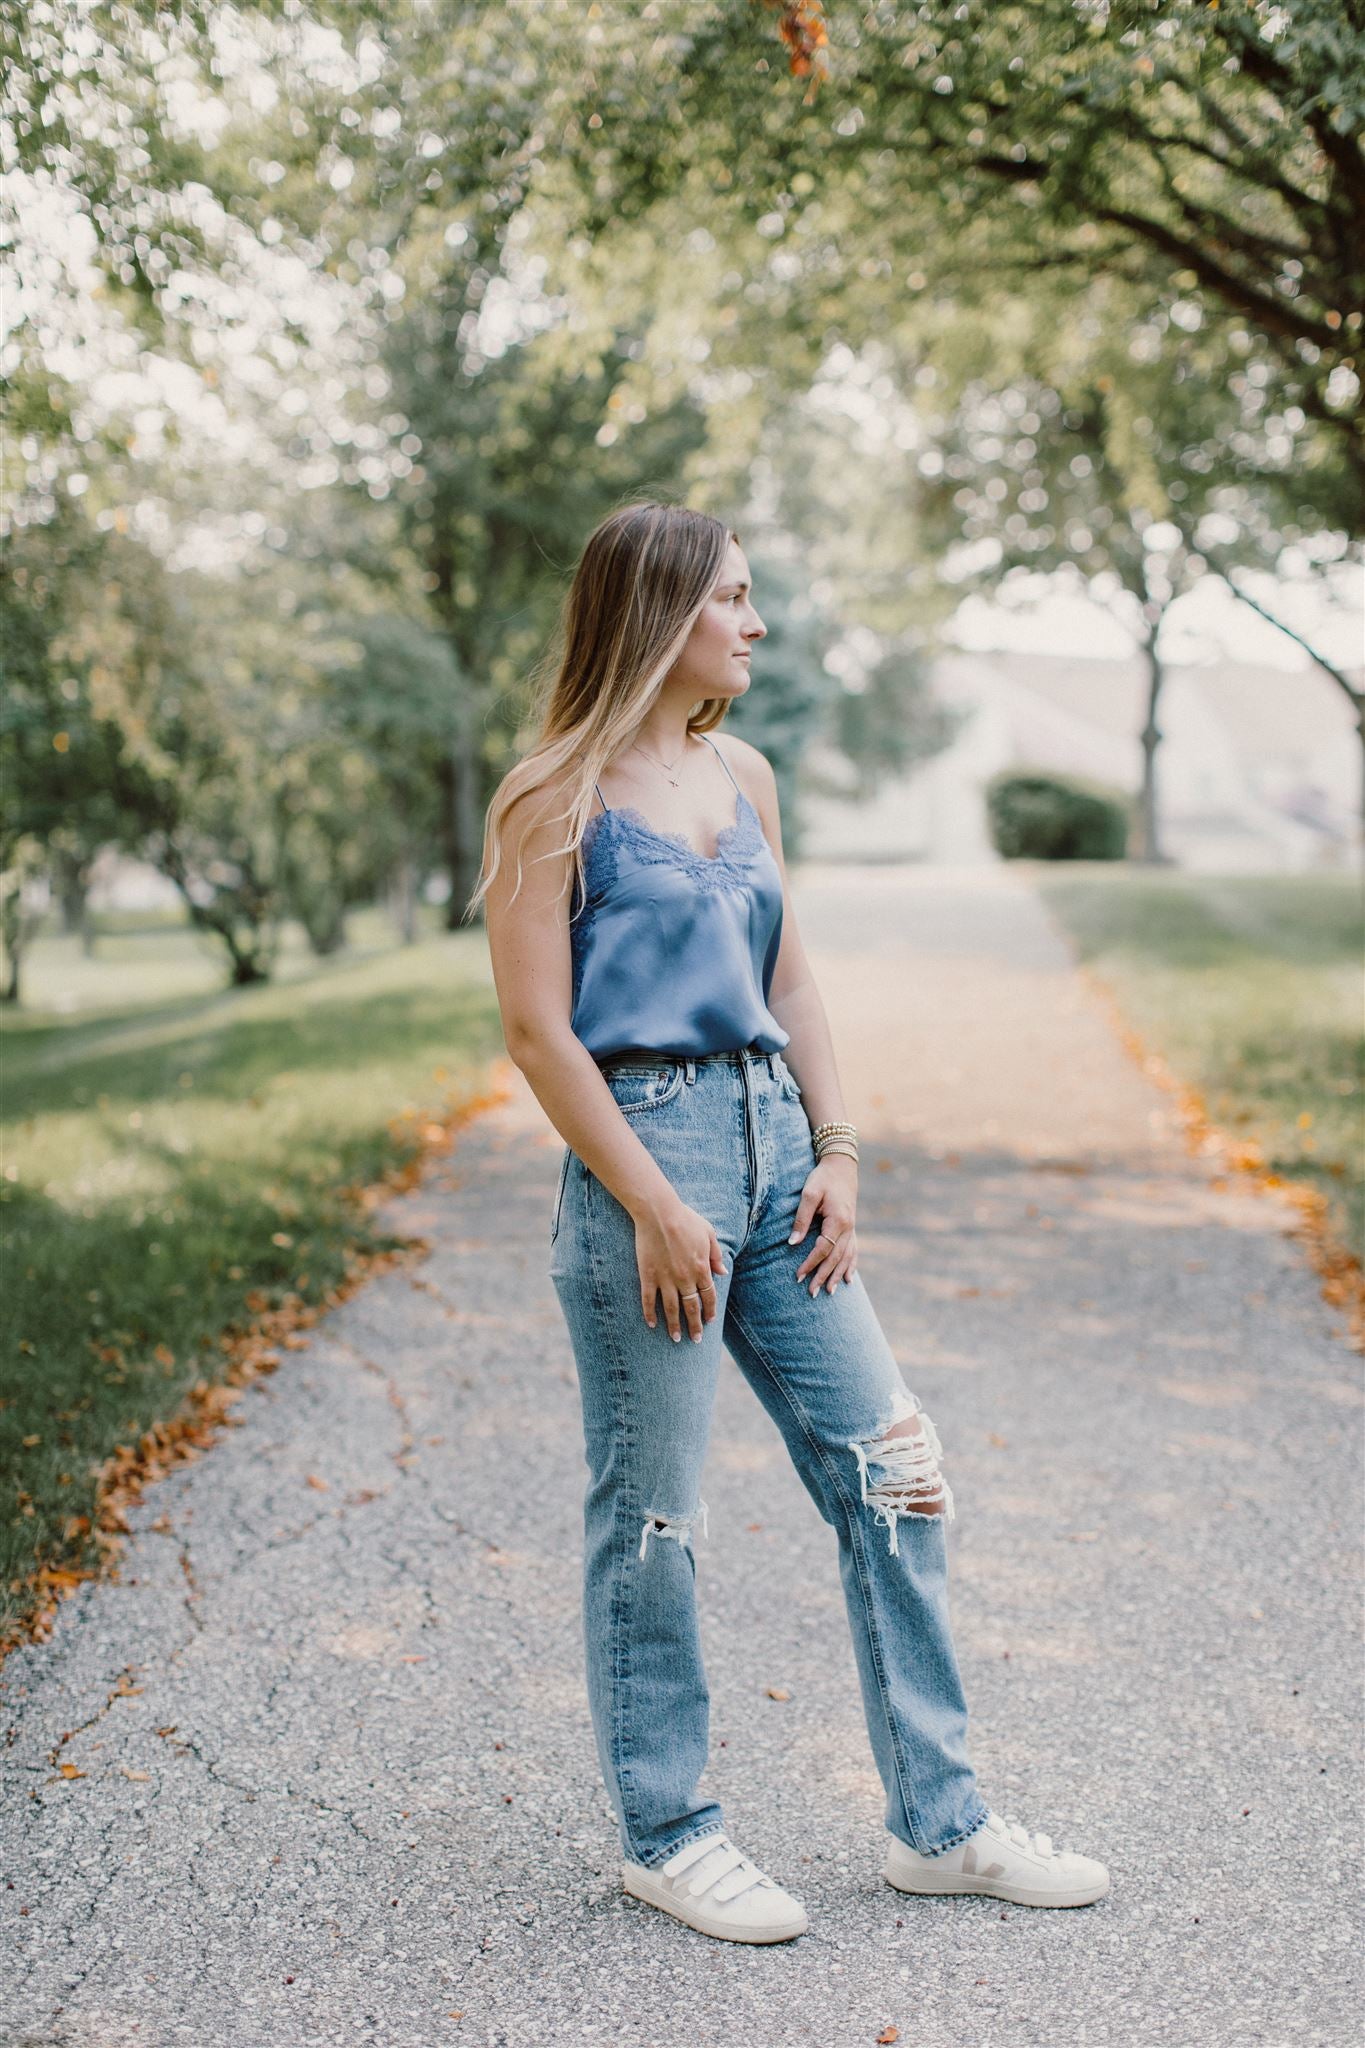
[{"x": 849, "y": 1151}]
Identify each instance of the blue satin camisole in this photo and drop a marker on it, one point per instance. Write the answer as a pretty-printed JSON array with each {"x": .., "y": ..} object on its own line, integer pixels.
[{"x": 674, "y": 952}]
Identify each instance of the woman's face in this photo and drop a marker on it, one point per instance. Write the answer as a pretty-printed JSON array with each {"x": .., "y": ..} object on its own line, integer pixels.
[{"x": 715, "y": 660}]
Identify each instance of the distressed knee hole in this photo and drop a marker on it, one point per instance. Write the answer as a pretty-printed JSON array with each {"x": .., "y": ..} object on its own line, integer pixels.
[
  {"x": 679, "y": 1527},
  {"x": 898, "y": 1469}
]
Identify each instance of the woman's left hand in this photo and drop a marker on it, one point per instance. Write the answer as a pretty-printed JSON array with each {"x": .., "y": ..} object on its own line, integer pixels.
[{"x": 831, "y": 1195}]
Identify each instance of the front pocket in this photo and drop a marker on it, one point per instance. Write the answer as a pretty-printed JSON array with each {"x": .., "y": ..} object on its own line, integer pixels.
[
  {"x": 787, "y": 1081},
  {"x": 637, "y": 1089},
  {"x": 559, "y": 1193}
]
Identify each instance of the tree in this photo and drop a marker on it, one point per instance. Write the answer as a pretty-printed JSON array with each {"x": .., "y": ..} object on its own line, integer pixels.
[
  {"x": 1189, "y": 150},
  {"x": 514, "y": 472},
  {"x": 1111, "y": 448},
  {"x": 82, "y": 618}
]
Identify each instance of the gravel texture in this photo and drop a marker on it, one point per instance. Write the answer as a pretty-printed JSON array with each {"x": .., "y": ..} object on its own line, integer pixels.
[{"x": 338, "y": 1782}]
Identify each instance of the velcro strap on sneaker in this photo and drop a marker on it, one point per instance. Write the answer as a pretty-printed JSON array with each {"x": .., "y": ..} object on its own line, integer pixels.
[
  {"x": 722, "y": 1863},
  {"x": 692, "y": 1852}
]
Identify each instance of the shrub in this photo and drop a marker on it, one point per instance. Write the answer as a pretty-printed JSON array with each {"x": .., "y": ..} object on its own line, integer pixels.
[{"x": 1034, "y": 815}]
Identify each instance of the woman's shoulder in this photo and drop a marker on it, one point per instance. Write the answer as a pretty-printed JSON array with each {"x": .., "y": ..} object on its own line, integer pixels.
[{"x": 744, "y": 759}]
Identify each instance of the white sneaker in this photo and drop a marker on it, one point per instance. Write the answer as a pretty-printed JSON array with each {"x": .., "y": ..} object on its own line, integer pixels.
[
  {"x": 715, "y": 1889},
  {"x": 1003, "y": 1860}
]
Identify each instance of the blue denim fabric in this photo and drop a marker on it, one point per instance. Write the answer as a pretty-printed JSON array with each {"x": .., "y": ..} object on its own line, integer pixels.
[{"x": 730, "y": 1134}]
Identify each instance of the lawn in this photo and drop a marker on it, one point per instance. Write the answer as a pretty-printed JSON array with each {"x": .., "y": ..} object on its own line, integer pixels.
[
  {"x": 1251, "y": 989},
  {"x": 176, "y": 1159}
]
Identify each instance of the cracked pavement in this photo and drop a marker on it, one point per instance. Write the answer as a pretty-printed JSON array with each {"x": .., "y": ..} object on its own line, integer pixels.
[{"x": 337, "y": 1782}]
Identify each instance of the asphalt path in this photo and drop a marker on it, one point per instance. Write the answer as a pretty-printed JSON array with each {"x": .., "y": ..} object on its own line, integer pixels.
[{"x": 337, "y": 1782}]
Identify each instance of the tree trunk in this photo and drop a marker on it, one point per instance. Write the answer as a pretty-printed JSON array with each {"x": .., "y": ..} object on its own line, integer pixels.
[
  {"x": 1150, "y": 850},
  {"x": 463, "y": 819},
  {"x": 403, "y": 899},
  {"x": 16, "y": 930},
  {"x": 250, "y": 956},
  {"x": 73, "y": 893}
]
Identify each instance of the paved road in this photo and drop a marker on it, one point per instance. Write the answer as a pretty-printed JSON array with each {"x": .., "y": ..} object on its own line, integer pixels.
[{"x": 338, "y": 1776}]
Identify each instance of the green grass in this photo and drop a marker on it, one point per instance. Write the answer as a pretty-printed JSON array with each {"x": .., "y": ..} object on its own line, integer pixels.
[
  {"x": 171, "y": 1148},
  {"x": 1251, "y": 990}
]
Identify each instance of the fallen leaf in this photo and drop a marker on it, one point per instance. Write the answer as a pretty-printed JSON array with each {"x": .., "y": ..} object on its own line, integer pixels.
[
  {"x": 320, "y": 1485},
  {"x": 777, "y": 1692},
  {"x": 888, "y": 2034},
  {"x": 70, "y": 1771},
  {"x": 138, "y": 1777}
]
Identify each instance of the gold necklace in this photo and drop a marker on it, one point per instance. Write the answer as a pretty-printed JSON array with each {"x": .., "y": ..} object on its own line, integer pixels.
[{"x": 665, "y": 765}]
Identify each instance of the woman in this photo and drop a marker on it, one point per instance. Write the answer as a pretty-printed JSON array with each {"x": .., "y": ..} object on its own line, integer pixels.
[{"x": 668, "y": 1024}]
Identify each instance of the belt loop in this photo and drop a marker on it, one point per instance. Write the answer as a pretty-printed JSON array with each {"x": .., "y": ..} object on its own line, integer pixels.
[
  {"x": 690, "y": 1069},
  {"x": 772, "y": 1070}
]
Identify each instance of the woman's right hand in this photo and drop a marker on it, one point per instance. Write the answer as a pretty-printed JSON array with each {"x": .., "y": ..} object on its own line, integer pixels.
[{"x": 677, "y": 1253}]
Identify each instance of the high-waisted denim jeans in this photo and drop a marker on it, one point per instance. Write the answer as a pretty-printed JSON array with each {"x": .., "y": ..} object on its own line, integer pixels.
[{"x": 731, "y": 1136}]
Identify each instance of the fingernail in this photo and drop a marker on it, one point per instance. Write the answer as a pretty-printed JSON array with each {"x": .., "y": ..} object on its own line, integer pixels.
[
  {"x": 677, "y": 1336},
  {"x": 795, "y": 1238},
  {"x": 696, "y": 1339}
]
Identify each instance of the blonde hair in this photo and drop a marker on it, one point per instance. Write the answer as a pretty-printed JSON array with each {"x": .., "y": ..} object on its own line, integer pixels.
[{"x": 642, "y": 580}]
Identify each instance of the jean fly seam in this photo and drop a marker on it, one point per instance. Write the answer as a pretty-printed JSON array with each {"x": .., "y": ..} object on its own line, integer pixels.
[{"x": 855, "y": 1536}]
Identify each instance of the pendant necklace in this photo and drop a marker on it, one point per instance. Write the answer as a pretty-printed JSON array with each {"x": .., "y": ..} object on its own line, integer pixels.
[{"x": 665, "y": 765}]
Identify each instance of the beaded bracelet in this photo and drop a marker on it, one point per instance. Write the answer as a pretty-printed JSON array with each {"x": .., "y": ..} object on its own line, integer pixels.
[
  {"x": 835, "y": 1136},
  {"x": 845, "y": 1130}
]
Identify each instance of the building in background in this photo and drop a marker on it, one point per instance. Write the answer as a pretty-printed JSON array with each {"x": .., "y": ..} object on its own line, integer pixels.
[{"x": 1259, "y": 769}]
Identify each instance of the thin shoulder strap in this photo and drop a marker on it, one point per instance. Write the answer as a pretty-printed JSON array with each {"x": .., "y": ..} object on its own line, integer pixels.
[
  {"x": 601, "y": 799},
  {"x": 721, "y": 758}
]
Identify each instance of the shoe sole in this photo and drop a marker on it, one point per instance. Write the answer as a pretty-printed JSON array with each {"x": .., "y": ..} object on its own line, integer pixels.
[
  {"x": 695, "y": 1915},
  {"x": 990, "y": 1888}
]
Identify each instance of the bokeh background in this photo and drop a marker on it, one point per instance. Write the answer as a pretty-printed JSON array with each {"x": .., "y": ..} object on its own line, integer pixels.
[{"x": 1020, "y": 344}]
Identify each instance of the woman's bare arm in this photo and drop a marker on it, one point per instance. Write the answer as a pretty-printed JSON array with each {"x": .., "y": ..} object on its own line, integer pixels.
[
  {"x": 793, "y": 999},
  {"x": 831, "y": 1190}
]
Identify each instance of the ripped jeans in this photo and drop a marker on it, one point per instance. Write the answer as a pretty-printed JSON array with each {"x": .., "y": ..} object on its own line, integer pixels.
[{"x": 730, "y": 1134}]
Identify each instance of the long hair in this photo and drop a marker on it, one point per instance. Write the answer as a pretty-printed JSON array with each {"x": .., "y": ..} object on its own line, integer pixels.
[{"x": 642, "y": 580}]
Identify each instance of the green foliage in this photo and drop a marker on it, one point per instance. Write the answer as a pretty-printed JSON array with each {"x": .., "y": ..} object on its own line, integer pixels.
[
  {"x": 1041, "y": 816},
  {"x": 1208, "y": 155}
]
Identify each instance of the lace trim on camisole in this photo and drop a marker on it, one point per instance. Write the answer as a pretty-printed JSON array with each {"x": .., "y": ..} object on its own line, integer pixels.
[{"x": 626, "y": 829}]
